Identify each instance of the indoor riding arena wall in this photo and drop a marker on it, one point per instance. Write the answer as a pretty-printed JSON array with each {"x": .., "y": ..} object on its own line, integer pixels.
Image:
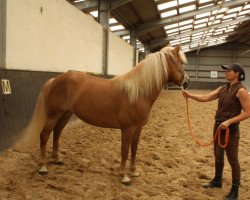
[
  {"x": 208, "y": 61},
  {"x": 16, "y": 108}
]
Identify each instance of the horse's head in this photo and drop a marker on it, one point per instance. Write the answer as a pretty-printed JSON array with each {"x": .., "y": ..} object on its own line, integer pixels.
[{"x": 176, "y": 64}]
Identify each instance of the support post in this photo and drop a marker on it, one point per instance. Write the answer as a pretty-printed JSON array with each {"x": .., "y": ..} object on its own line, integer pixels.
[
  {"x": 133, "y": 38},
  {"x": 147, "y": 49},
  {"x": 3, "y": 8},
  {"x": 103, "y": 19}
]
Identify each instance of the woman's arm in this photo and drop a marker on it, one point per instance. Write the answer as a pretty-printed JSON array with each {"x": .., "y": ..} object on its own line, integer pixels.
[{"x": 202, "y": 98}]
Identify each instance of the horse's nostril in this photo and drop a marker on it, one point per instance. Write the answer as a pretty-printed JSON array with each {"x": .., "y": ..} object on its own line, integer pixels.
[{"x": 185, "y": 84}]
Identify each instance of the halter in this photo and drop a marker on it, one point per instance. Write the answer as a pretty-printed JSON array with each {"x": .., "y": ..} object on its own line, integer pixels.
[{"x": 182, "y": 72}]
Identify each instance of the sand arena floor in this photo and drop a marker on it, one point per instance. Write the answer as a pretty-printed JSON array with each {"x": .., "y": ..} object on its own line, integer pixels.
[{"x": 171, "y": 165}]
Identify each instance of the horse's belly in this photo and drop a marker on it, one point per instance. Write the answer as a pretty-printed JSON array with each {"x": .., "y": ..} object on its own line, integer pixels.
[{"x": 99, "y": 120}]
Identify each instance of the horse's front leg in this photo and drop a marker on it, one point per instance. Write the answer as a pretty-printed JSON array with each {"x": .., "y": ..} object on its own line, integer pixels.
[
  {"x": 134, "y": 146},
  {"x": 127, "y": 135}
]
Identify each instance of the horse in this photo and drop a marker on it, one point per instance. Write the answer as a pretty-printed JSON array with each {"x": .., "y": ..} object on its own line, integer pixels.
[{"x": 122, "y": 102}]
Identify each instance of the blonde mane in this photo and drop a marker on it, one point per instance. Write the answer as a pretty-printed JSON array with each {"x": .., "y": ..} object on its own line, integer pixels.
[{"x": 147, "y": 76}]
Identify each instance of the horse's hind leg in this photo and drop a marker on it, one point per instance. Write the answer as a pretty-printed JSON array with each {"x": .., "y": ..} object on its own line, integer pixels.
[
  {"x": 56, "y": 135},
  {"x": 134, "y": 145},
  {"x": 44, "y": 136}
]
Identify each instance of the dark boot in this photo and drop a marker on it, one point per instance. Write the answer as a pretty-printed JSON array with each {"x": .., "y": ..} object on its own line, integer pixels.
[
  {"x": 215, "y": 183},
  {"x": 234, "y": 193}
]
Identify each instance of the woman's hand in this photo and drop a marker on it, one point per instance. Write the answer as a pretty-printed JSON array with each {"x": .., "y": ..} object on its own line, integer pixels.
[
  {"x": 225, "y": 124},
  {"x": 185, "y": 94}
]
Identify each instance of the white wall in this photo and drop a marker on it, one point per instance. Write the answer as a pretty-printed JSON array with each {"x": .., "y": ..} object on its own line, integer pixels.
[
  {"x": 2, "y": 32},
  {"x": 120, "y": 55},
  {"x": 52, "y": 35}
]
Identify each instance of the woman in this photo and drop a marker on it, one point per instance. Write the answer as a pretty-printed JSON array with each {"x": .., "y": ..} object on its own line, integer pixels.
[{"x": 232, "y": 98}]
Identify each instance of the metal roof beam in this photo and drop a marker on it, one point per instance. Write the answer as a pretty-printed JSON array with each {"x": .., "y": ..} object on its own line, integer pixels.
[
  {"x": 87, "y": 5},
  {"x": 155, "y": 24},
  {"x": 93, "y": 4},
  {"x": 157, "y": 42},
  {"x": 118, "y": 3},
  {"x": 121, "y": 33}
]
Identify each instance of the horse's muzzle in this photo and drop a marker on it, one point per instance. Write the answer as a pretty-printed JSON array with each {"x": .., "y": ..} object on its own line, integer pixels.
[{"x": 186, "y": 83}]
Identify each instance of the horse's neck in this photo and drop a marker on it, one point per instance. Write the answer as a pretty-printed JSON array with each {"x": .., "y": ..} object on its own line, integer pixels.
[{"x": 152, "y": 98}]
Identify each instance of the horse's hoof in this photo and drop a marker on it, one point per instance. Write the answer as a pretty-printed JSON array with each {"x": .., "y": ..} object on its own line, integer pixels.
[
  {"x": 126, "y": 180},
  {"x": 59, "y": 162},
  {"x": 127, "y": 183},
  {"x": 43, "y": 170},
  {"x": 134, "y": 174}
]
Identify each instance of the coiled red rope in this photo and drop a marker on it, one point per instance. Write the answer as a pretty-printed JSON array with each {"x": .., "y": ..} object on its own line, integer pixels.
[{"x": 217, "y": 134}]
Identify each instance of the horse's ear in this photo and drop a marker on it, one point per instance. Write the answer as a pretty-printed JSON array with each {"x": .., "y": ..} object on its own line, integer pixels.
[{"x": 177, "y": 48}]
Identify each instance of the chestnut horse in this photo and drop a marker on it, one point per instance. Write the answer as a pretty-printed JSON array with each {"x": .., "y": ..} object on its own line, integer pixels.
[{"x": 123, "y": 102}]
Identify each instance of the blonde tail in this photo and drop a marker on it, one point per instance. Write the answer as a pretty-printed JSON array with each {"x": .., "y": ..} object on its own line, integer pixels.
[{"x": 30, "y": 136}]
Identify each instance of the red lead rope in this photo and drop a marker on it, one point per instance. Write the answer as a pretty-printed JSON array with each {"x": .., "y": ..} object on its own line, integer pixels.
[{"x": 217, "y": 134}]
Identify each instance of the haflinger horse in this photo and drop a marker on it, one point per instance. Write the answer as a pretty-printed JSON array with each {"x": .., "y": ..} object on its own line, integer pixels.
[{"x": 123, "y": 102}]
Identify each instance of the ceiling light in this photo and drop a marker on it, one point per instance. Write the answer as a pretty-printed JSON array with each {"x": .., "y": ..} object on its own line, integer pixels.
[
  {"x": 246, "y": 7},
  {"x": 229, "y": 30},
  {"x": 185, "y": 1},
  {"x": 227, "y": 20},
  {"x": 187, "y": 8},
  {"x": 126, "y": 37},
  {"x": 244, "y": 12},
  {"x": 206, "y": 6},
  {"x": 94, "y": 13},
  {"x": 214, "y": 12},
  {"x": 200, "y": 26},
  {"x": 219, "y": 16},
  {"x": 196, "y": 37},
  {"x": 185, "y": 22},
  {"x": 230, "y": 16},
  {"x": 183, "y": 31},
  {"x": 204, "y": 1},
  {"x": 222, "y": 10},
  {"x": 186, "y": 27},
  {"x": 116, "y": 28},
  {"x": 200, "y": 33},
  {"x": 200, "y": 21},
  {"x": 218, "y": 33},
  {"x": 112, "y": 21},
  {"x": 234, "y": 9},
  {"x": 176, "y": 40},
  {"x": 202, "y": 15},
  {"x": 216, "y": 22},
  {"x": 211, "y": 18},
  {"x": 172, "y": 30},
  {"x": 171, "y": 26},
  {"x": 77, "y": 1},
  {"x": 240, "y": 16},
  {"x": 167, "y": 5},
  {"x": 169, "y": 13},
  {"x": 231, "y": 26},
  {"x": 171, "y": 34},
  {"x": 220, "y": 29}
]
